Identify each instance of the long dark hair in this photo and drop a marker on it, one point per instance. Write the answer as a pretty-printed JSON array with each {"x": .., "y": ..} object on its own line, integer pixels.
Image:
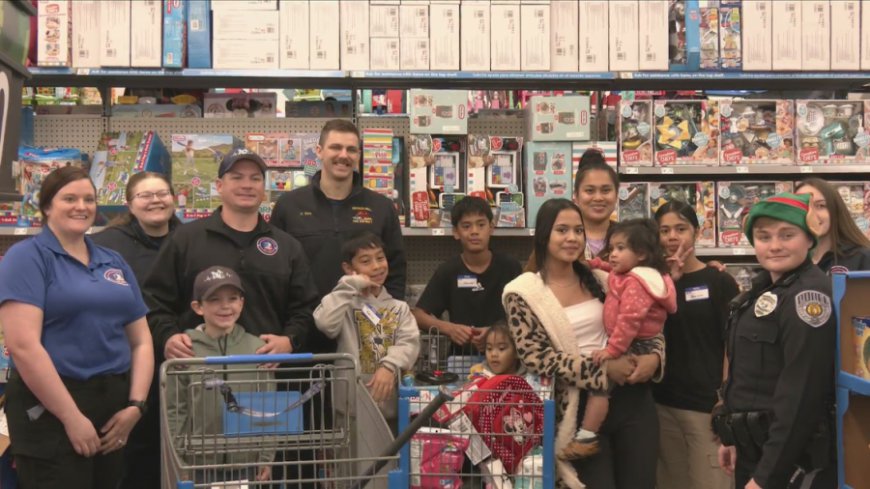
[
  {"x": 642, "y": 237},
  {"x": 843, "y": 230},
  {"x": 680, "y": 208},
  {"x": 57, "y": 180},
  {"x": 544, "y": 227},
  {"x": 127, "y": 217}
]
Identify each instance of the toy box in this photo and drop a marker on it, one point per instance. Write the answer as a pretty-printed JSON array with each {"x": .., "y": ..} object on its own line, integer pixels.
[
  {"x": 564, "y": 118},
  {"x": 757, "y": 19},
  {"x": 635, "y": 133},
  {"x": 175, "y": 33},
  {"x": 121, "y": 154},
  {"x": 53, "y": 33},
  {"x": 757, "y": 131},
  {"x": 564, "y": 34},
  {"x": 594, "y": 41},
  {"x": 280, "y": 149},
  {"x": 730, "y": 32},
  {"x": 161, "y": 111},
  {"x": 854, "y": 196},
  {"x": 195, "y": 162},
  {"x": 199, "y": 30},
  {"x": 686, "y": 132},
  {"x": 633, "y": 201},
  {"x": 378, "y": 171},
  {"x": 439, "y": 111},
  {"x": 10, "y": 213},
  {"x": 830, "y": 131},
  {"x": 495, "y": 174},
  {"x": 699, "y": 195},
  {"x": 734, "y": 201},
  {"x": 444, "y": 36},
  {"x": 33, "y": 165},
  {"x": 623, "y": 35},
  {"x": 684, "y": 49},
  {"x": 709, "y": 34},
  {"x": 223, "y": 105},
  {"x": 435, "y": 178},
  {"x": 548, "y": 174},
  {"x": 743, "y": 274},
  {"x": 85, "y": 34}
]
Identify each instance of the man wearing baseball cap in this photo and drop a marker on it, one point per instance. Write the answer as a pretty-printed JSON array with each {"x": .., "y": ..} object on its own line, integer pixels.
[
  {"x": 271, "y": 265},
  {"x": 776, "y": 423}
]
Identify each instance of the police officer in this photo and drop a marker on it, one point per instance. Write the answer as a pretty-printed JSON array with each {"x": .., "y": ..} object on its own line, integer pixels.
[
  {"x": 775, "y": 425},
  {"x": 273, "y": 268}
]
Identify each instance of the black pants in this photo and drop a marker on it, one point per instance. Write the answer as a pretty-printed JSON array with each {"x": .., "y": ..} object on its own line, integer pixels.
[
  {"x": 629, "y": 442},
  {"x": 142, "y": 454},
  {"x": 821, "y": 479},
  {"x": 44, "y": 456}
]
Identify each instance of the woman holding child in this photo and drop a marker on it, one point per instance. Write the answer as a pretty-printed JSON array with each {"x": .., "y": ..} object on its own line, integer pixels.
[{"x": 552, "y": 307}]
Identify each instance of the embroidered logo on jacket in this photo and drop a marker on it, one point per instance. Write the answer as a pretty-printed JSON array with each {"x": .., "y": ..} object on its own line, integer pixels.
[
  {"x": 267, "y": 246},
  {"x": 116, "y": 276},
  {"x": 361, "y": 215}
]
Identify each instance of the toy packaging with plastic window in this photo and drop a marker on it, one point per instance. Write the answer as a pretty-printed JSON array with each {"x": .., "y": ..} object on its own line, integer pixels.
[
  {"x": 435, "y": 178},
  {"x": 195, "y": 162},
  {"x": 734, "y": 201},
  {"x": 686, "y": 132},
  {"x": 495, "y": 173},
  {"x": 558, "y": 118},
  {"x": 730, "y": 35},
  {"x": 683, "y": 35},
  {"x": 33, "y": 165},
  {"x": 223, "y": 105},
  {"x": 854, "y": 196},
  {"x": 548, "y": 174},
  {"x": 439, "y": 111},
  {"x": 633, "y": 201},
  {"x": 831, "y": 132},
  {"x": 635, "y": 133},
  {"x": 121, "y": 154},
  {"x": 709, "y": 34},
  {"x": 757, "y": 132},
  {"x": 699, "y": 195},
  {"x": 861, "y": 327}
]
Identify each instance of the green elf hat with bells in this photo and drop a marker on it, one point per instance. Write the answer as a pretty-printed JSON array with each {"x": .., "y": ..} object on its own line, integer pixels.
[{"x": 786, "y": 207}]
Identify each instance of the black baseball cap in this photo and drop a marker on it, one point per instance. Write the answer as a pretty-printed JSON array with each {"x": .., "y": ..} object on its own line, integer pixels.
[
  {"x": 213, "y": 278},
  {"x": 239, "y": 155}
]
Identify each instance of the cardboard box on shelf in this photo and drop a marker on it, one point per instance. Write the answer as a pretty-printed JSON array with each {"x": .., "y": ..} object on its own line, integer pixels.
[
  {"x": 708, "y": 33},
  {"x": 816, "y": 35},
  {"x": 195, "y": 162},
  {"x": 438, "y": 111},
  {"x": 845, "y": 35},
  {"x": 730, "y": 35},
  {"x": 234, "y": 54},
  {"x": 684, "y": 44},
  {"x": 294, "y": 23},
  {"x": 700, "y": 195},
  {"x": 787, "y": 24},
  {"x": 548, "y": 174},
  {"x": 757, "y": 132},
  {"x": 505, "y": 36},
  {"x": 624, "y": 17},
  {"x": 414, "y": 20},
  {"x": 252, "y": 25},
  {"x": 633, "y": 201},
  {"x": 495, "y": 171},
  {"x": 115, "y": 28},
  {"x": 199, "y": 33},
  {"x": 146, "y": 40},
  {"x": 53, "y": 33},
  {"x": 757, "y": 40},
  {"x": 121, "y": 154},
  {"x": 437, "y": 164},
  {"x": 653, "y": 35},
  {"x": 635, "y": 132},
  {"x": 865, "y": 35},
  {"x": 535, "y": 37},
  {"x": 175, "y": 34},
  {"x": 475, "y": 35},
  {"x": 354, "y": 41},
  {"x": 244, "y": 5},
  {"x": 224, "y": 105},
  {"x": 552, "y": 118},
  {"x": 384, "y": 18},
  {"x": 160, "y": 111},
  {"x": 734, "y": 200},
  {"x": 325, "y": 33},
  {"x": 414, "y": 53},
  {"x": 444, "y": 36},
  {"x": 564, "y": 39},
  {"x": 385, "y": 53},
  {"x": 831, "y": 132},
  {"x": 85, "y": 34},
  {"x": 594, "y": 42},
  {"x": 686, "y": 132},
  {"x": 278, "y": 149}
]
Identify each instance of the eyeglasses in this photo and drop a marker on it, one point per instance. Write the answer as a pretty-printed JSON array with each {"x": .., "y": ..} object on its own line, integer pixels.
[{"x": 161, "y": 194}]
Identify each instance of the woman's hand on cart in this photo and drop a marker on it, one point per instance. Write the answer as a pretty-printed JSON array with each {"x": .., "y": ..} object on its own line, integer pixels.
[
  {"x": 117, "y": 430},
  {"x": 274, "y": 344},
  {"x": 382, "y": 385}
]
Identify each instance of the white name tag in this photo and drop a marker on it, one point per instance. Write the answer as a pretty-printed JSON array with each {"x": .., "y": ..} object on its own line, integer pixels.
[
  {"x": 370, "y": 313},
  {"x": 699, "y": 293},
  {"x": 466, "y": 281}
]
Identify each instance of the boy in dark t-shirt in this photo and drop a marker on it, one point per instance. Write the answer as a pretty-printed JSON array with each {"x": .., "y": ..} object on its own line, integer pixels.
[{"x": 468, "y": 286}]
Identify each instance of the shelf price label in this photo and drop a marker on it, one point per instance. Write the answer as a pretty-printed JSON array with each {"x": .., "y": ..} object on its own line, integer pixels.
[
  {"x": 806, "y": 169},
  {"x": 738, "y": 251},
  {"x": 437, "y": 231},
  {"x": 742, "y": 169},
  {"x": 20, "y": 232},
  {"x": 666, "y": 170},
  {"x": 631, "y": 170},
  {"x": 531, "y": 231}
]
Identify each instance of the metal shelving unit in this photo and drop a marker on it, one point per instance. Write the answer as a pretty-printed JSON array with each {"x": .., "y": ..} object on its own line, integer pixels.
[{"x": 794, "y": 170}]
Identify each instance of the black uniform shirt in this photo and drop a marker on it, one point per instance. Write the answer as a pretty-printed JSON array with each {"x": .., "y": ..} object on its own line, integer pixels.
[
  {"x": 851, "y": 259},
  {"x": 781, "y": 345}
]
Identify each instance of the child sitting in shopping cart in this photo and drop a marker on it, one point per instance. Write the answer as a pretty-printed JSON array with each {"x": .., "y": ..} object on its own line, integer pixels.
[
  {"x": 197, "y": 413},
  {"x": 501, "y": 354},
  {"x": 368, "y": 322}
]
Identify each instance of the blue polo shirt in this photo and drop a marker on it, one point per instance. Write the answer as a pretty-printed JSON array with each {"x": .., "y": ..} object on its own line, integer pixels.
[{"x": 85, "y": 308}]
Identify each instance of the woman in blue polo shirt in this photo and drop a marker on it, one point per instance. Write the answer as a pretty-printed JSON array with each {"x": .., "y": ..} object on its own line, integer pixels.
[{"x": 74, "y": 323}]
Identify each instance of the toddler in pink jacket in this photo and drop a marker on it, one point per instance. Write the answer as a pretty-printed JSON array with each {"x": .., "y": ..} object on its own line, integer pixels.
[{"x": 640, "y": 295}]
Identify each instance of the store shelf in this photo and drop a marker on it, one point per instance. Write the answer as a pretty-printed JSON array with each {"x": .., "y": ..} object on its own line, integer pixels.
[
  {"x": 745, "y": 170},
  {"x": 481, "y": 79},
  {"x": 735, "y": 80},
  {"x": 724, "y": 252},
  {"x": 853, "y": 383},
  {"x": 449, "y": 232}
]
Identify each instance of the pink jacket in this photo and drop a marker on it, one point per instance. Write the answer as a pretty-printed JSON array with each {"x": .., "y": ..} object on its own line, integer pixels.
[{"x": 636, "y": 306}]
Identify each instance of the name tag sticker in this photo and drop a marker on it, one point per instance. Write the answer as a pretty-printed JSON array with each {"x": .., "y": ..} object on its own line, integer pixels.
[
  {"x": 466, "y": 281},
  {"x": 370, "y": 313},
  {"x": 699, "y": 293}
]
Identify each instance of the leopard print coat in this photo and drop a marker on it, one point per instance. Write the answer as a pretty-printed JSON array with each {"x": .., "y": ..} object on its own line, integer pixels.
[{"x": 545, "y": 343}]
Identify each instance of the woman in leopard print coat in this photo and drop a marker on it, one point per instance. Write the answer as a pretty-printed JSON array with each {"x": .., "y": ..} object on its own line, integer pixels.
[{"x": 547, "y": 343}]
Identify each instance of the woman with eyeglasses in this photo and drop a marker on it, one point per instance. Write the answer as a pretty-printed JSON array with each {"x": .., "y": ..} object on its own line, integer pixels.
[{"x": 137, "y": 237}]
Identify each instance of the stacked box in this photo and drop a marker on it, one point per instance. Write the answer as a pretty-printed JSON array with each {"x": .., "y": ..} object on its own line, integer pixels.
[
  {"x": 845, "y": 35},
  {"x": 633, "y": 201},
  {"x": 439, "y": 111},
  {"x": 623, "y": 31},
  {"x": 594, "y": 42},
  {"x": 830, "y": 131},
  {"x": 475, "y": 35},
  {"x": 653, "y": 35},
  {"x": 505, "y": 47},
  {"x": 686, "y": 132},
  {"x": 535, "y": 37},
  {"x": 757, "y": 132},
  {"x": 115, "y": 29},
  {"x": 199, "y": 33},
  {"x": 195, "y": 162},
  {"x": 354, "y": 41},
  {"x": 160, "y": 111},
  {"x": 495, "y": 174},
  {"x": 444, "y": 36},
  {"x": 730, "y": 35},
  {"x": 225, "y": 105},
  {"x": 709, "y": 35},
  {"x": 699, "y": 195},
  {"x": 378, "y": 171},
  {"x": 53, "y": 31},
  {"x": 85, "y": 34},
  {"x": 564, "y": 31},
  {"x": 146, "y": 39},
  {"x": 175, "y": 32},
  {"x": 684, "y": 45},
  {"x": 816, "y": 35},
  {"x": 786, "y": 34},
  {"x": 635, "y": 133},
  {"x": 121, "y": 154},
  {"x": 564, "y": 118},
  {"x": 437, "y": 164},
  {"x": 757, "y": 19},
  {"x": 324, "y": 35},
  {"x": 278, "y": 149},
  {"x": 734, "y": 201},
  {"x": 548, "y": 174}
]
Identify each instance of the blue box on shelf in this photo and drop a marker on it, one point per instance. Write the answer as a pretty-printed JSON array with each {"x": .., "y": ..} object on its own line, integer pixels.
[
  {"x": 199, "y": 34},
  {"x": 684, "y": 35},
  {"x": 174, "y": 30}
]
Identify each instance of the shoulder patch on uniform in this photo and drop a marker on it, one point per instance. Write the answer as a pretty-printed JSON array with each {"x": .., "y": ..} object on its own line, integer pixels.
[{"x": 813, "y": 307}]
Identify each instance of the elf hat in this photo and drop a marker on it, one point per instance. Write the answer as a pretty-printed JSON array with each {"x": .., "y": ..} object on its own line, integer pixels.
[{"x": 786, "y": 207}]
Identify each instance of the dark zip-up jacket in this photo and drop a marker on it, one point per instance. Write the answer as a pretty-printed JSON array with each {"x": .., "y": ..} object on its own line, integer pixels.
[
  {"x": 137, "y": 248},
  {"x": 323, "y": 226},
  {"x": 851, "y": 259},
  {"x": 279, "y": 292}
]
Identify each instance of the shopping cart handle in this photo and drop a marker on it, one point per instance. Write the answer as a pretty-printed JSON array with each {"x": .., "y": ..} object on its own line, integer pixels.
[{"x": 271, "y": 358}]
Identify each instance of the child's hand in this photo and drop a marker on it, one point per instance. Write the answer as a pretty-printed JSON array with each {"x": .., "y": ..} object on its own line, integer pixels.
[
  {"x": 264, "y": 474},
  {"x": 363, "y": 284},
  {"x": 477, "y": 338},
  {"x": 600, "y": 356},
  {"x": 382, "y": 385}
]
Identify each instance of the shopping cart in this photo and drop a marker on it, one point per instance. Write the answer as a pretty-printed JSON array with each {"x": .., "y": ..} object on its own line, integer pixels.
[
  {"x": 496, "y": 432},
  {"x": 226, "y": 421}
]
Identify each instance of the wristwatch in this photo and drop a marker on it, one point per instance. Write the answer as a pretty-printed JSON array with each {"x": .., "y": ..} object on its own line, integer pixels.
[{"x": 143, "y": 407}]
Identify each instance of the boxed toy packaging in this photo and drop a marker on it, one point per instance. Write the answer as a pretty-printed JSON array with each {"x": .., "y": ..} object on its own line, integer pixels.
[
  {"x": 435, "y": 178},
  {"x": 831, "y": 131},
  {"x": 686, "y": 132},
  {"x": 635, "y": 133},
  {"x": 548, "y": 174},
  {"x": 683, "y": 35},
  {"x": 121, "y": 154},
  {"x": 854, "y": 196},
  {"x": 195, "y": 162},
  {"x": 33, "y": 165},
  {"x": 495, "y": 174},
  {"x": 278, "y": 149},
  {"x": 439, "y": 111},
  {"x": 757, "y": 131},
  {"x": 221, "y": 105},
  {"x": 730, "y": 36},
  {"x": 709, "y": 34},
  {"x": 699, "y": 195},
  {"x": 633, "y": 202},
  {"x": 734, "y": 201},
  {"x": 552, "y": 118}
]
